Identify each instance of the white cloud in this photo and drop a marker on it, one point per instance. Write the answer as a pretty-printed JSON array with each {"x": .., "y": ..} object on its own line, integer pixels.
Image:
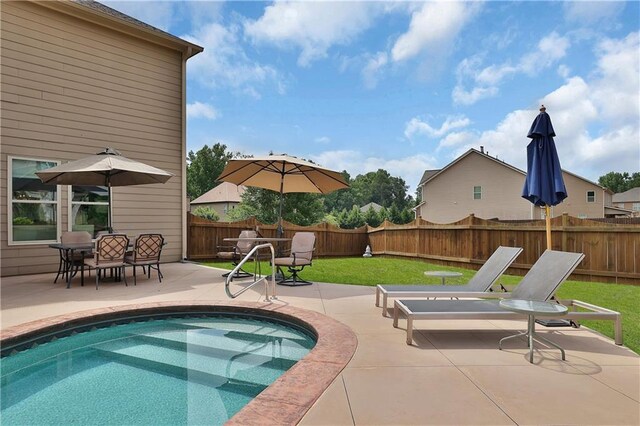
[
  {"x": 313, "y": 27},
  {"x": 433, "y": 27},
  {"x": 597, "y": 120},
  {"x": 589, "y": 12},
  {"x": 200, "y": 110},
  {"x": 323, "y": 139},
  {"x": 410, "y": 168},
  {"x": 225, "y": 64},
  {"x": 416, "y": 126},
  {"x": 374, "y": 66},
  {"x": 486, "y": 81}
]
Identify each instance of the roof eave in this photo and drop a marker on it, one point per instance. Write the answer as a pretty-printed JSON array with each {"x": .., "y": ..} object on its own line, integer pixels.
[{"x": 98, "y": 17}]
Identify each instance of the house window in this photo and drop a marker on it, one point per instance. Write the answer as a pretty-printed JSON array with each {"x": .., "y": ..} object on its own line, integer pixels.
[
  {"x": 33, "y": 206},
  {"x": 88, "y": 208},
  {"x": 477, "y": 192},
  {"x": 591, "y": 196},
  {"x": 635, "y": 207}
]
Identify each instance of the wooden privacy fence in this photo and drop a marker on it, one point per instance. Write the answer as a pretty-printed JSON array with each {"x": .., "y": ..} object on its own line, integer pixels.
[
  {"x": 205, "y": 237},
  {"x": 612, "y": 251}
]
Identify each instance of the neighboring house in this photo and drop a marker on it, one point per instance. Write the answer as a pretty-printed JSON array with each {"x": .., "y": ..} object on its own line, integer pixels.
[
  {"x": 376, "y": 207},
  {"x": 628, "y": 200},
  {"x": 223, "y": 198},
  {"x": 491, "y": 189},
  {"x": 77, "y": 77}
]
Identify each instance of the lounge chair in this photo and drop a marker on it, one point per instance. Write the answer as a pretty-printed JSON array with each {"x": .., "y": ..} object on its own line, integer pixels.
[
  {"x": 478, "y": 286},
  {"x": 540, "y": 283},
  {"x": 237, "y": 252},
  {"x": 300, "y": 255}
]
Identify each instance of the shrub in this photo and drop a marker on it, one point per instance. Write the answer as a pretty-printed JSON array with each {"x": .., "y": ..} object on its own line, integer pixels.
[{"x": 206, "y": 213}]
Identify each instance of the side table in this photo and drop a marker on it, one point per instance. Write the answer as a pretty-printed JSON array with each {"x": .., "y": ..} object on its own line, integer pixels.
[
  {"x": 533, "y": 308},
  {"x": 443, "y": 274}
]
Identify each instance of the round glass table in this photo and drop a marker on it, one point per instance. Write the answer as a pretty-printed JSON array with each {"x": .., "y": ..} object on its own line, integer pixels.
[{"x": 533, "y": 308}]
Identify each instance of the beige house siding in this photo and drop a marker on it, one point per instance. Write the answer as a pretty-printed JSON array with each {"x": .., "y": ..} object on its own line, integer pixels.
[
  {"x": 70, "y": 88},
  {"x": 448, "y": 194}
]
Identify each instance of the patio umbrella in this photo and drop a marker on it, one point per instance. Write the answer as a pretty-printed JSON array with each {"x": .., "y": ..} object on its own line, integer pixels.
[
  {"x": 283, "y": 174},
  {"x": 107, "y": 168},
  {"x": 543, "y": 185}
]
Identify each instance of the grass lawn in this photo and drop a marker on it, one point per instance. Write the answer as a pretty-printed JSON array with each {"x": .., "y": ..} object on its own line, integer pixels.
[{"x": 380, "y": 270}]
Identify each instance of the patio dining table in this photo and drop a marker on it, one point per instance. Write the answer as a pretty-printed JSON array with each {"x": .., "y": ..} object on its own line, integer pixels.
[
  {"x": 83, "y": 248},
  {"x": 70, "y": 249}
]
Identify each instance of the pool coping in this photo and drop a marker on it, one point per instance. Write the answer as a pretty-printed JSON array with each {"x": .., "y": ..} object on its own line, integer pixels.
[{"x": 287, "y": 399}]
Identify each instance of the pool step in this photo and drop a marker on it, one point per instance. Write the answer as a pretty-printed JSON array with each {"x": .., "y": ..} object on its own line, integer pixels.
[
  {"x": 239, "y": 331},
  {"x": 232, "y": 341},
  {"x": 225, "y": 384},
  {"x": 225, "y": 363}
]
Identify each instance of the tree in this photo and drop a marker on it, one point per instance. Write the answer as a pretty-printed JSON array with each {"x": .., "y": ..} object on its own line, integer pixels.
[
  {"x": 381, "y": 188},
  {"x": 298, "y": 208},
  {"x": 204, "y": 167},
  {"x": 206, "y": 213},
  {"x": 372, "y": 218},
  {"x": 620, "y": 182},
  {"x": 351, "y": 219}
]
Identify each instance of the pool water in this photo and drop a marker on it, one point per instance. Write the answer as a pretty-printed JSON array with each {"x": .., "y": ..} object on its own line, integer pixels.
[{"x": 158, "y": 372}]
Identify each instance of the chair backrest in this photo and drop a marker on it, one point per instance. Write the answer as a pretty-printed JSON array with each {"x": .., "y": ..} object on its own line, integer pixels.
[
  {"x": 546, "y": 275},
  {"x": 303, "y": 244},
  {"x": 148, "y": 247},
  {"x": 111, "y": 248},
  {"x": 495, "y": 266},
  {"x": 246, "y": 246},
  {"x": 75, "y": 237}
]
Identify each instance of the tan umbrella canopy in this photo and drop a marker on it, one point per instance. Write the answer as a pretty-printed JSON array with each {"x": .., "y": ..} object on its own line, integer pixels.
[
  {"x": 283, "y": 174},
  {"x": 107, "y": 168}
]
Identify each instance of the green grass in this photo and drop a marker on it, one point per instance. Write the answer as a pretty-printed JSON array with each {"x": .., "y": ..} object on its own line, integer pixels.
[{"x": 379, "y": 270}]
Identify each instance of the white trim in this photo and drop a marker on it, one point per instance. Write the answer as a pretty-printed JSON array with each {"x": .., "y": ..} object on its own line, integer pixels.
[
  {"x": 10, "y": 200},
  {"x": 594, "y": 196}
]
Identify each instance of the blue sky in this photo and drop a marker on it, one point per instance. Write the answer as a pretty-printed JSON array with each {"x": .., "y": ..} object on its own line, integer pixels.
[{"x": 409, "y": 86}]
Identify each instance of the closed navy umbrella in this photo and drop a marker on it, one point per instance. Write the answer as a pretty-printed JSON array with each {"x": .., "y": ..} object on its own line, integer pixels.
[{"x": 544, "y": 185}]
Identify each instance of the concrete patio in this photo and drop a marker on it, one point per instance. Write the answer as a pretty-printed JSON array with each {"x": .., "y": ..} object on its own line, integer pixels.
[{"x": 454, "y": 374}]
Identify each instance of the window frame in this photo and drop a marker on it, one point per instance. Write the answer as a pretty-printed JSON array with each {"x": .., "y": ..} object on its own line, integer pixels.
[
  {"x": 70, "y": 204},
  {"x": 10, "y": 201},
  {"x": 594, "y": 196},
  {"x": 478, "y": 193}
]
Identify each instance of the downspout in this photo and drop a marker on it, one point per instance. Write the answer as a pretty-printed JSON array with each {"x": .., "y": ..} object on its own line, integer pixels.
[{"x": 183, "y": 151}]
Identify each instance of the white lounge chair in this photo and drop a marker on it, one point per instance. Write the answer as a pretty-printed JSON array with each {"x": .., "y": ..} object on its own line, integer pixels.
[
  {"x": 540, "y": 283},
  {"x": 478, "y": 286}
]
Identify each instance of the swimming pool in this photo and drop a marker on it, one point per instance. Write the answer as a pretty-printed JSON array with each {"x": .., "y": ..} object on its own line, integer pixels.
[{"x": 195, "y": 368}]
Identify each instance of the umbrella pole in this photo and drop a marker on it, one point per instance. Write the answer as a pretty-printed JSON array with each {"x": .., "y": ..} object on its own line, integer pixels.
[
  {"x": 109, "y": 228},
  {"x": 280, "y": 231},
  {"x": 548, "y": 223}
]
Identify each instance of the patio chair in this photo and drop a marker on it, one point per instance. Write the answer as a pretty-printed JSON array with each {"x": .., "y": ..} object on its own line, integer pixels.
[
  {"x": 300, "y": 255},
  {"x": 237, "y": 252},
  {"x": 539, "y": 284},
  {"x": 69, "y": 264},
  {"x": 109, "y": 253},
  {"x": 478, "y": 286},
  {"x": 146, "y": 253}
]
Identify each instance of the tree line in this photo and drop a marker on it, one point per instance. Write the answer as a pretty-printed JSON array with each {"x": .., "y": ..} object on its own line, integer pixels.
[{"x": 341, "y": 208}]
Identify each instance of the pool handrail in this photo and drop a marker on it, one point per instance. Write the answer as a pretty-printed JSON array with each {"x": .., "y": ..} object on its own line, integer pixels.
[{"x": 229, "y": 277}]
